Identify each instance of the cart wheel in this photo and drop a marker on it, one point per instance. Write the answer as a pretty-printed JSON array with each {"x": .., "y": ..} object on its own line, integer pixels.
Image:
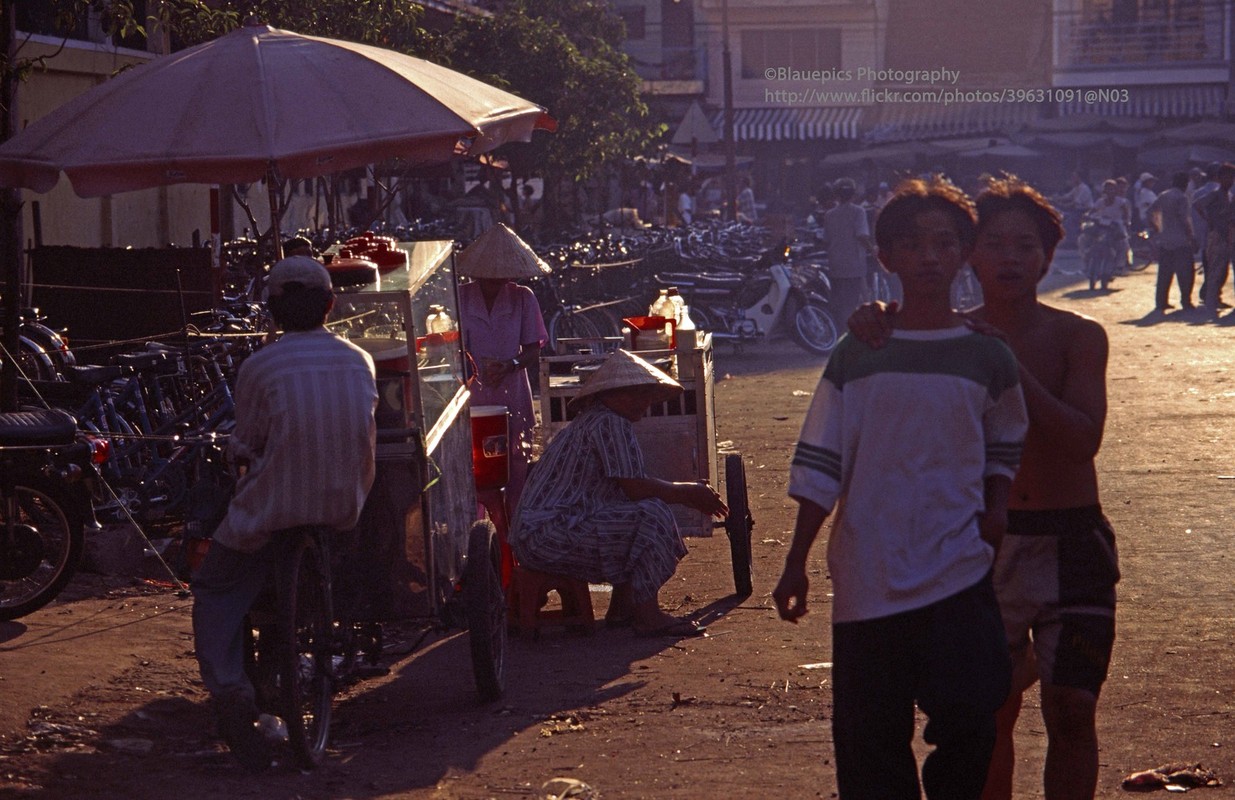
[
  {"x": 305, "y": 631},
  {"x": 738, "y": 523},
  {"x": 485, "y": 605}
]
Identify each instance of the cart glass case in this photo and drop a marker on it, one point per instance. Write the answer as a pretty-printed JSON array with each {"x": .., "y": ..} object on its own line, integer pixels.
[{"x": 408, "y": 549}]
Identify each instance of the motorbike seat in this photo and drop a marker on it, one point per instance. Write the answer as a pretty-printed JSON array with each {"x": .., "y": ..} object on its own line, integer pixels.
[{"x": 44, "y": 426}]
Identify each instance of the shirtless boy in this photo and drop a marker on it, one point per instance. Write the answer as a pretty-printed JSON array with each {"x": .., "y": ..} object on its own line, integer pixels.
[{"x": 1056, "y": 570}]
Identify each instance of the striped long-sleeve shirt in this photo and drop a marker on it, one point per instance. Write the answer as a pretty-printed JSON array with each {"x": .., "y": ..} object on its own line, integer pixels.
[
  {"x": 304, "y": 422},
  {"x": 902, "y": 439}
]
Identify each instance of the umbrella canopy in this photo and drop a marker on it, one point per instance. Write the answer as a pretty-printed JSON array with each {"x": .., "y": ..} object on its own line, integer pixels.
[{"x": 258, "y": 100}]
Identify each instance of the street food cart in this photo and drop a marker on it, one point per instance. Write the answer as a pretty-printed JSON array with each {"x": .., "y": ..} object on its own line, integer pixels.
[
  {"x": 678, "y": 437},
  {"x": 418, "y": 552}
]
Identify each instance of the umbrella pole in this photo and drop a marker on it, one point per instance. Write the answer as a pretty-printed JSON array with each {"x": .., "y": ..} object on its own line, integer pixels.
[{"x": 272, "y": 190}]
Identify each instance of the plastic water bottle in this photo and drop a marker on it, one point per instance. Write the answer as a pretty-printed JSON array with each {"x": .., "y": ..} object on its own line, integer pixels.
[
  {"x": 662, "y": 306},
  {"x": 685, "y": 330},
  {"x": 677, "y": 304},
  {"x": 439, "y": 320},
  {"x": 437, "y": 325}
]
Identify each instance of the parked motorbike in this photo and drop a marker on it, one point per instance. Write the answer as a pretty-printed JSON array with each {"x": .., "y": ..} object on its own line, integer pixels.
[
  {"x": 44, "y": 506},
  {"x": 740, "y": 307}
]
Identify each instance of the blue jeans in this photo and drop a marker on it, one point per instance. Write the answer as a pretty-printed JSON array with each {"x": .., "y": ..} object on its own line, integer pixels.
[
  {"x": 224, "y": 588},
  {"x": 951, "y": 659}
]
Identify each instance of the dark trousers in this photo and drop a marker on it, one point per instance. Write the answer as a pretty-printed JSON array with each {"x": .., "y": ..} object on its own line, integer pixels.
[
  {"x": 951, "y": 659},
  {"x": 1175, "y": 263},
  {"x": 846, "y": 297},
  {"x": 224, "y": 588}
]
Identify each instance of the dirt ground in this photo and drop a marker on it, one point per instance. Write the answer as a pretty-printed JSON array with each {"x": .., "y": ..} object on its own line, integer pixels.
[{"x": 99, "y": 695}]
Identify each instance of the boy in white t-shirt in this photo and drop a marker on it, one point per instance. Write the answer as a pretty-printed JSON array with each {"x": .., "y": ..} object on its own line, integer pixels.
[{"x": 916, "y": 443}]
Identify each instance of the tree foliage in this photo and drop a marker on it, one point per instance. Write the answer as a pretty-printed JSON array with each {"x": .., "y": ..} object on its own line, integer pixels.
[
  {"x": 567, "y": 57},
  {"x": 393, "y": 24}
]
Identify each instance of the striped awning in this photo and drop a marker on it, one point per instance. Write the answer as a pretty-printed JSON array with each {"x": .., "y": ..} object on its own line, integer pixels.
[
  {"x": 1172, "y": 101},
  {"x": 781, "y": 124},
  {"x": 902, "y": 122}
]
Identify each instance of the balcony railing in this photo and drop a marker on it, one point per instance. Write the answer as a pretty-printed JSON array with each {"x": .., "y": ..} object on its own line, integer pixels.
[{"x": 1090, "y": 43}]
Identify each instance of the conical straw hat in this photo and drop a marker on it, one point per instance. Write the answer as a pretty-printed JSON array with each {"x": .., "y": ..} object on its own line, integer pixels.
[
  {"x": 499, "y": 253},
  {"x": 621, "y": 370}
]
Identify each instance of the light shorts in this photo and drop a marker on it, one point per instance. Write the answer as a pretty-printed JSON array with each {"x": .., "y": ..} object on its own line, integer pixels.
[{"x": 1055, "y": 579}]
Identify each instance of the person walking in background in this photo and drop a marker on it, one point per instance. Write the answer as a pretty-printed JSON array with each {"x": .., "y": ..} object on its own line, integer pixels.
[
  {"x": 1074, "y": 203},
  {"x": 686, "y": 205},
  {"x": 1112, "y": 210},
  {"x": 746, "y": 203},
  {"x": 914, "y": 613},
  {"x": 1143, "y": 196},
  {"x": 848, "y": 237},
  {"x": 1219, "y": 214},
  {"x": 1206, "y": 188},
  {"x": 503, "y": 331},
  {"x": 1170, "y": 215}
]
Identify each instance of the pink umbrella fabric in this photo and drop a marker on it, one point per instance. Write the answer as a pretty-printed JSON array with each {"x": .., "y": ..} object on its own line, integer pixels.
[{"x": 260, "y": 99}]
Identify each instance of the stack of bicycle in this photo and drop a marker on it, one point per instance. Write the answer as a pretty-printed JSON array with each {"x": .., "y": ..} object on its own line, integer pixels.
[
  {"x": 139, "y": 440},
  {"x": 740, "y": 286}
]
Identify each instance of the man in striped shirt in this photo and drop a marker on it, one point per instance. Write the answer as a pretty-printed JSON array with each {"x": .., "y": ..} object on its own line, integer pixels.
[
  {"x": 305, "y": 436},
  {"x": 917, "y": 443}
]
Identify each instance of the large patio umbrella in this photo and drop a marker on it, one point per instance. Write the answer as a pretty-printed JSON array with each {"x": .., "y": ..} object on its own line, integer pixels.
[{"x": 258, "y": 102}]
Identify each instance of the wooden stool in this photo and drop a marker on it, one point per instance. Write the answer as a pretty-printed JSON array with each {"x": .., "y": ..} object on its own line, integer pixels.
[{"x": 529, "y": 590}]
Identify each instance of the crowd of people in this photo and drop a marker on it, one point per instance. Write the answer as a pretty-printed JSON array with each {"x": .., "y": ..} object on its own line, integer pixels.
[
  {"x": 1189, "y": 221},
  {"x": 958, "y": 580}
]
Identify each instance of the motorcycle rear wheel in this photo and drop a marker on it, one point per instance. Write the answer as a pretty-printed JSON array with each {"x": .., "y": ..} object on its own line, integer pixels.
[
  {"x": 40, "y": 547},
  {"x": 812, "y": 327}
]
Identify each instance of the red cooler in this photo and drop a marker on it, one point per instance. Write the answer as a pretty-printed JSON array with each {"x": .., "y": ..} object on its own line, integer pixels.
[{"x": 489, "y": 443}]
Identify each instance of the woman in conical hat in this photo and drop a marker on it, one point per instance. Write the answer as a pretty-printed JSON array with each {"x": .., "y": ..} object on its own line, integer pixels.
[
  {"x": 591, "y": 511},
  {"x": 503, "y": 331}
]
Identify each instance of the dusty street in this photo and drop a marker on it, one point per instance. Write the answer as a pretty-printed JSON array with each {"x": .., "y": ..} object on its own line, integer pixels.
[{"x": 99, "y": 695}]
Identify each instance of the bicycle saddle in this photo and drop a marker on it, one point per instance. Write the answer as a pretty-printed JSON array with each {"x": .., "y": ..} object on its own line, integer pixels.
[{"x": 92, "y": 374}]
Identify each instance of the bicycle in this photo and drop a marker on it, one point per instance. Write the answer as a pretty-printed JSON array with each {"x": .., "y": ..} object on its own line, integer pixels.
[
  {"x": 300, "y": 648},
  {"x": 1100, "y": 248}
]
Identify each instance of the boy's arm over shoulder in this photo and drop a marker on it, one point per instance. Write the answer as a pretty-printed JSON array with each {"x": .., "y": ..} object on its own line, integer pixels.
[
  {"x": 1006, "y": 419},
  {"x": 1071, "y": 414}
]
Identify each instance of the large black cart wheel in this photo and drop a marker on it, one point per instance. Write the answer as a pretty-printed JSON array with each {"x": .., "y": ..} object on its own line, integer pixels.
[
  {"x": 485, "y": 606},
  {"x": 305, "y": 676},
  {"x": 739, "y": 523},
  {"x": 812, "y": 327},
  {"x": 40, "y": 546}
]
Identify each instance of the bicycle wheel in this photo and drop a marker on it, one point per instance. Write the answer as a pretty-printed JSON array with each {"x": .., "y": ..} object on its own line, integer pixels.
[
  {"x": 40, "y": 546},
  {"x": 1142, "y": 251},
  {"x": 812, "y": 327},
  {"x": 304, "y": 669},
  {"x": 485, "y": 606},
  {"x": 738, "y": 524}
]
